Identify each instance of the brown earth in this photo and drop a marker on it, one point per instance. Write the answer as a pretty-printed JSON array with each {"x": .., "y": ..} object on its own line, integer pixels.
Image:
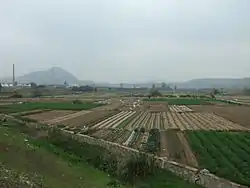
[
  {"x": 49, "y": 115},
  {"x": 155, "y": 107},
  {"x": 178, "y": 148},
  {"x": 88, "y": 119},
  {"x": 236, "y": 114}
]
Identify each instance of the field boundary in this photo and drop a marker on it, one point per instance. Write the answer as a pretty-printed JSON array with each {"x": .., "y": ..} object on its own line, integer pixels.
[
  {"x": 205, "y": 179},
  {"x": 194, "y": 175}
]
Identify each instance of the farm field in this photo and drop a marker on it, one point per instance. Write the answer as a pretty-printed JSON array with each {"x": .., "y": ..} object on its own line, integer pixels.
[
  {"x": 48, "y": 105},
  {"x": 181, "y": 101},
  {"x": 175, "y": 147},
  {"x": 168, "y": 120},
  {"x": 236, "y": 114},
  {"x": 84, "y": 118},
  {"x": 50, "y": 115},
  {"x": 226, "y": 154}
]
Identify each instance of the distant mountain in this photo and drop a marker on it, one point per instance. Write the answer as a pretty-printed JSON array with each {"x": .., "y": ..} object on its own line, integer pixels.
[
  {"x": 58, "y": 75},
  {"x": 229, "y": 83},
  {"x": 54, "y": 75}
]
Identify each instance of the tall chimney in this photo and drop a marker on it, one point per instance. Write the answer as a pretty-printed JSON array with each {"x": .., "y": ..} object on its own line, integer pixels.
[{"x": 14, "y": 80}]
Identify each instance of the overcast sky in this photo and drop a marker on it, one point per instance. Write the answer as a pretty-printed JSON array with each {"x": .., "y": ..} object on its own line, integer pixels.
[{"x": 127, "y": 40}]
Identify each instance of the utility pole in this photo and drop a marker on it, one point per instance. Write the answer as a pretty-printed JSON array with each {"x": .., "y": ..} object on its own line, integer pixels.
[{"x": 13, "y": 78}]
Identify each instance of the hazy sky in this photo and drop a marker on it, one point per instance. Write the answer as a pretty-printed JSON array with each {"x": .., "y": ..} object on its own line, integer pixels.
[{"x": 127, "y": 40}]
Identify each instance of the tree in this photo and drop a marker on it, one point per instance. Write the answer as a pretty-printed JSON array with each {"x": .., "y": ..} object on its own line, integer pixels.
[
  {"x": 113, "y": 184},
  {"x": 246, "y": 91},
  {"x": 163, "y": 85},
  {"x": 1, "y": 87},
  {"x": 33, "y": 85}
]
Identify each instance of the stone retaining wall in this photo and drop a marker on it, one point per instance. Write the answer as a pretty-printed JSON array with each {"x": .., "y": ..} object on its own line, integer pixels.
[
  {"x": 188, "y": 173},
  {"x": 207, "y": 180}
]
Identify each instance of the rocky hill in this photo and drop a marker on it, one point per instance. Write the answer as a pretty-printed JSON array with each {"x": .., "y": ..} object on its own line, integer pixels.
[{"x": 54, "y": 75}]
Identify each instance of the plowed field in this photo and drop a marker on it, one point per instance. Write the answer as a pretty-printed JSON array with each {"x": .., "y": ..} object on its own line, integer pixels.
[
  {"x": 236, "y": 114},
  {"x": 44, "y": 116}
]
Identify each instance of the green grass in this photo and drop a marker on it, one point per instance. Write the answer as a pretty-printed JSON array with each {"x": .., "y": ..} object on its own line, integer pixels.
[
  {"x": 19, "y": 153},
  {"x": 165, "y": 179},
  {"x": 226, "y": 154},
  {"x": 60, "y": 165},
  {"x": 48, "y": 105},
  {"x": 181, "y": 101}
]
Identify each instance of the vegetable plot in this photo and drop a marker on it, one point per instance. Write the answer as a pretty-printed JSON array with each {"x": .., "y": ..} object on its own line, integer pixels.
[{"x": 224, "y": 154}]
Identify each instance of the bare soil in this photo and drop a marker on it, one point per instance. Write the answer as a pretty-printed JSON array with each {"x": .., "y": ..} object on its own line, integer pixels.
[
  {"x": 236, "y": 114},
  {"x": 155, "y": 107},
  {"x": 178, "y": 147},
  {"x": 88, "y": 119},
  {"x": 49, "y": 115}
]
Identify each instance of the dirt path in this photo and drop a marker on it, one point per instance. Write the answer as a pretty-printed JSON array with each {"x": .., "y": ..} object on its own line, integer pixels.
[
  {"x": 237, "y": 114},
  {"x": 191, "y": 160},
  {"x": 163, "y": 144},
  {"x": 178, "y": 147}
]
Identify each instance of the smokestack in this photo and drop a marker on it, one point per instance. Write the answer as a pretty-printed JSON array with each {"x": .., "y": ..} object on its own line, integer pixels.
[{"x": 14, "y": 80}]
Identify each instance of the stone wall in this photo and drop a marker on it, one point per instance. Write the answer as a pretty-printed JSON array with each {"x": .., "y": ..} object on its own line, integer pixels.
[
  {"x": 207, "y": 179},
  {"x": 188, "y": 173}
]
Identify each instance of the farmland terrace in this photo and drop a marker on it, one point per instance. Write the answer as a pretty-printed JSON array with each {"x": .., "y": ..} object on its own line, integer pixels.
[{"x": 175, "y": 129}]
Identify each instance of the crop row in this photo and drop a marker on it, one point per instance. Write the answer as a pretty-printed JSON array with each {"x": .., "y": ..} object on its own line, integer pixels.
[
  {"x": 182, "y": 121},
  {"x": 179, "y": 108},
  {"x": 224, "y": 154}
]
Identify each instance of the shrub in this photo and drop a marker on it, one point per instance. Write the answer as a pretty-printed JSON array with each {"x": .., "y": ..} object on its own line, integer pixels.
[{"x": 76, "y": 102}]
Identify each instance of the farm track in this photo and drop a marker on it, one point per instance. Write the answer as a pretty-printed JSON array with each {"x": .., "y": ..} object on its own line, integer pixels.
[
  {"x": 191, "y": 160},
  {"x": 163, "y": 145}
]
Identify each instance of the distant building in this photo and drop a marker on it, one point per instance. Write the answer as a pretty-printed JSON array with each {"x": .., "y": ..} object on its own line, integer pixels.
[{"x": 6, "y": 84}]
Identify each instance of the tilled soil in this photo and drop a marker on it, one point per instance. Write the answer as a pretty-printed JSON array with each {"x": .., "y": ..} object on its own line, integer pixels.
[
  {"x": 50, "y": 115},
  {"x": 177, "y": 148},
  {"x": 236, "y": 114}
]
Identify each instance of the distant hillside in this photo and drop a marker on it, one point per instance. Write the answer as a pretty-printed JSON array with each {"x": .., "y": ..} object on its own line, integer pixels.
[
  {"x": 216, "y": 83},
  {"x": 54, "y": 75}
]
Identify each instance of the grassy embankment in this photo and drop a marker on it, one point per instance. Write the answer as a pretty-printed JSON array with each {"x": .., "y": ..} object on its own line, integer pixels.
[{"x": 61, "y": 162}]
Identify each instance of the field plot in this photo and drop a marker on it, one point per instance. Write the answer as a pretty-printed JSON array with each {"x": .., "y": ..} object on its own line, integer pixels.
[
  {"x": 174, "y": 146},
  {"x": 236, "y": 114},
  {"x": 226, "y": 154},
  {"x": 179, "y": 108},
  {"x": 113, "y": 121},
  {"x": 112, "y": 135},
  {"x": 50, "y": 115},
  {"x": 48, "y": 105},
  {"x": 181, "y": 101},
  {"x": 183, "y": 121},
  {"x": 86, "y": 119}
]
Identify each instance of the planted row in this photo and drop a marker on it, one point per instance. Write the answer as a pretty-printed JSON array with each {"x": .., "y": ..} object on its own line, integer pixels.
[{"x": 226, "y": 154}]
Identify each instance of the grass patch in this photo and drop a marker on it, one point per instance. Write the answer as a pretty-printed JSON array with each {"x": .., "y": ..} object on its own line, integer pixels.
[
  {"x": 48, "y": 105},
  {"x": 226, "y": 154},
  {"x": 54, "y": 167},
  {"x": 181, "y": 101},
  {"x": 165, "y": 179},
  {"x": 59, "y": 161}
]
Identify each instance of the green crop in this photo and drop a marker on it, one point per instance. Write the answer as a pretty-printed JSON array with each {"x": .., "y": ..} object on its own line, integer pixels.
[{"x": 224, "y": 154}]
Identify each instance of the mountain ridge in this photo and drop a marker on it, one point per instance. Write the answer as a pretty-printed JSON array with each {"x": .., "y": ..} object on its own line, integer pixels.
[{"x": 57, "y": 75}]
